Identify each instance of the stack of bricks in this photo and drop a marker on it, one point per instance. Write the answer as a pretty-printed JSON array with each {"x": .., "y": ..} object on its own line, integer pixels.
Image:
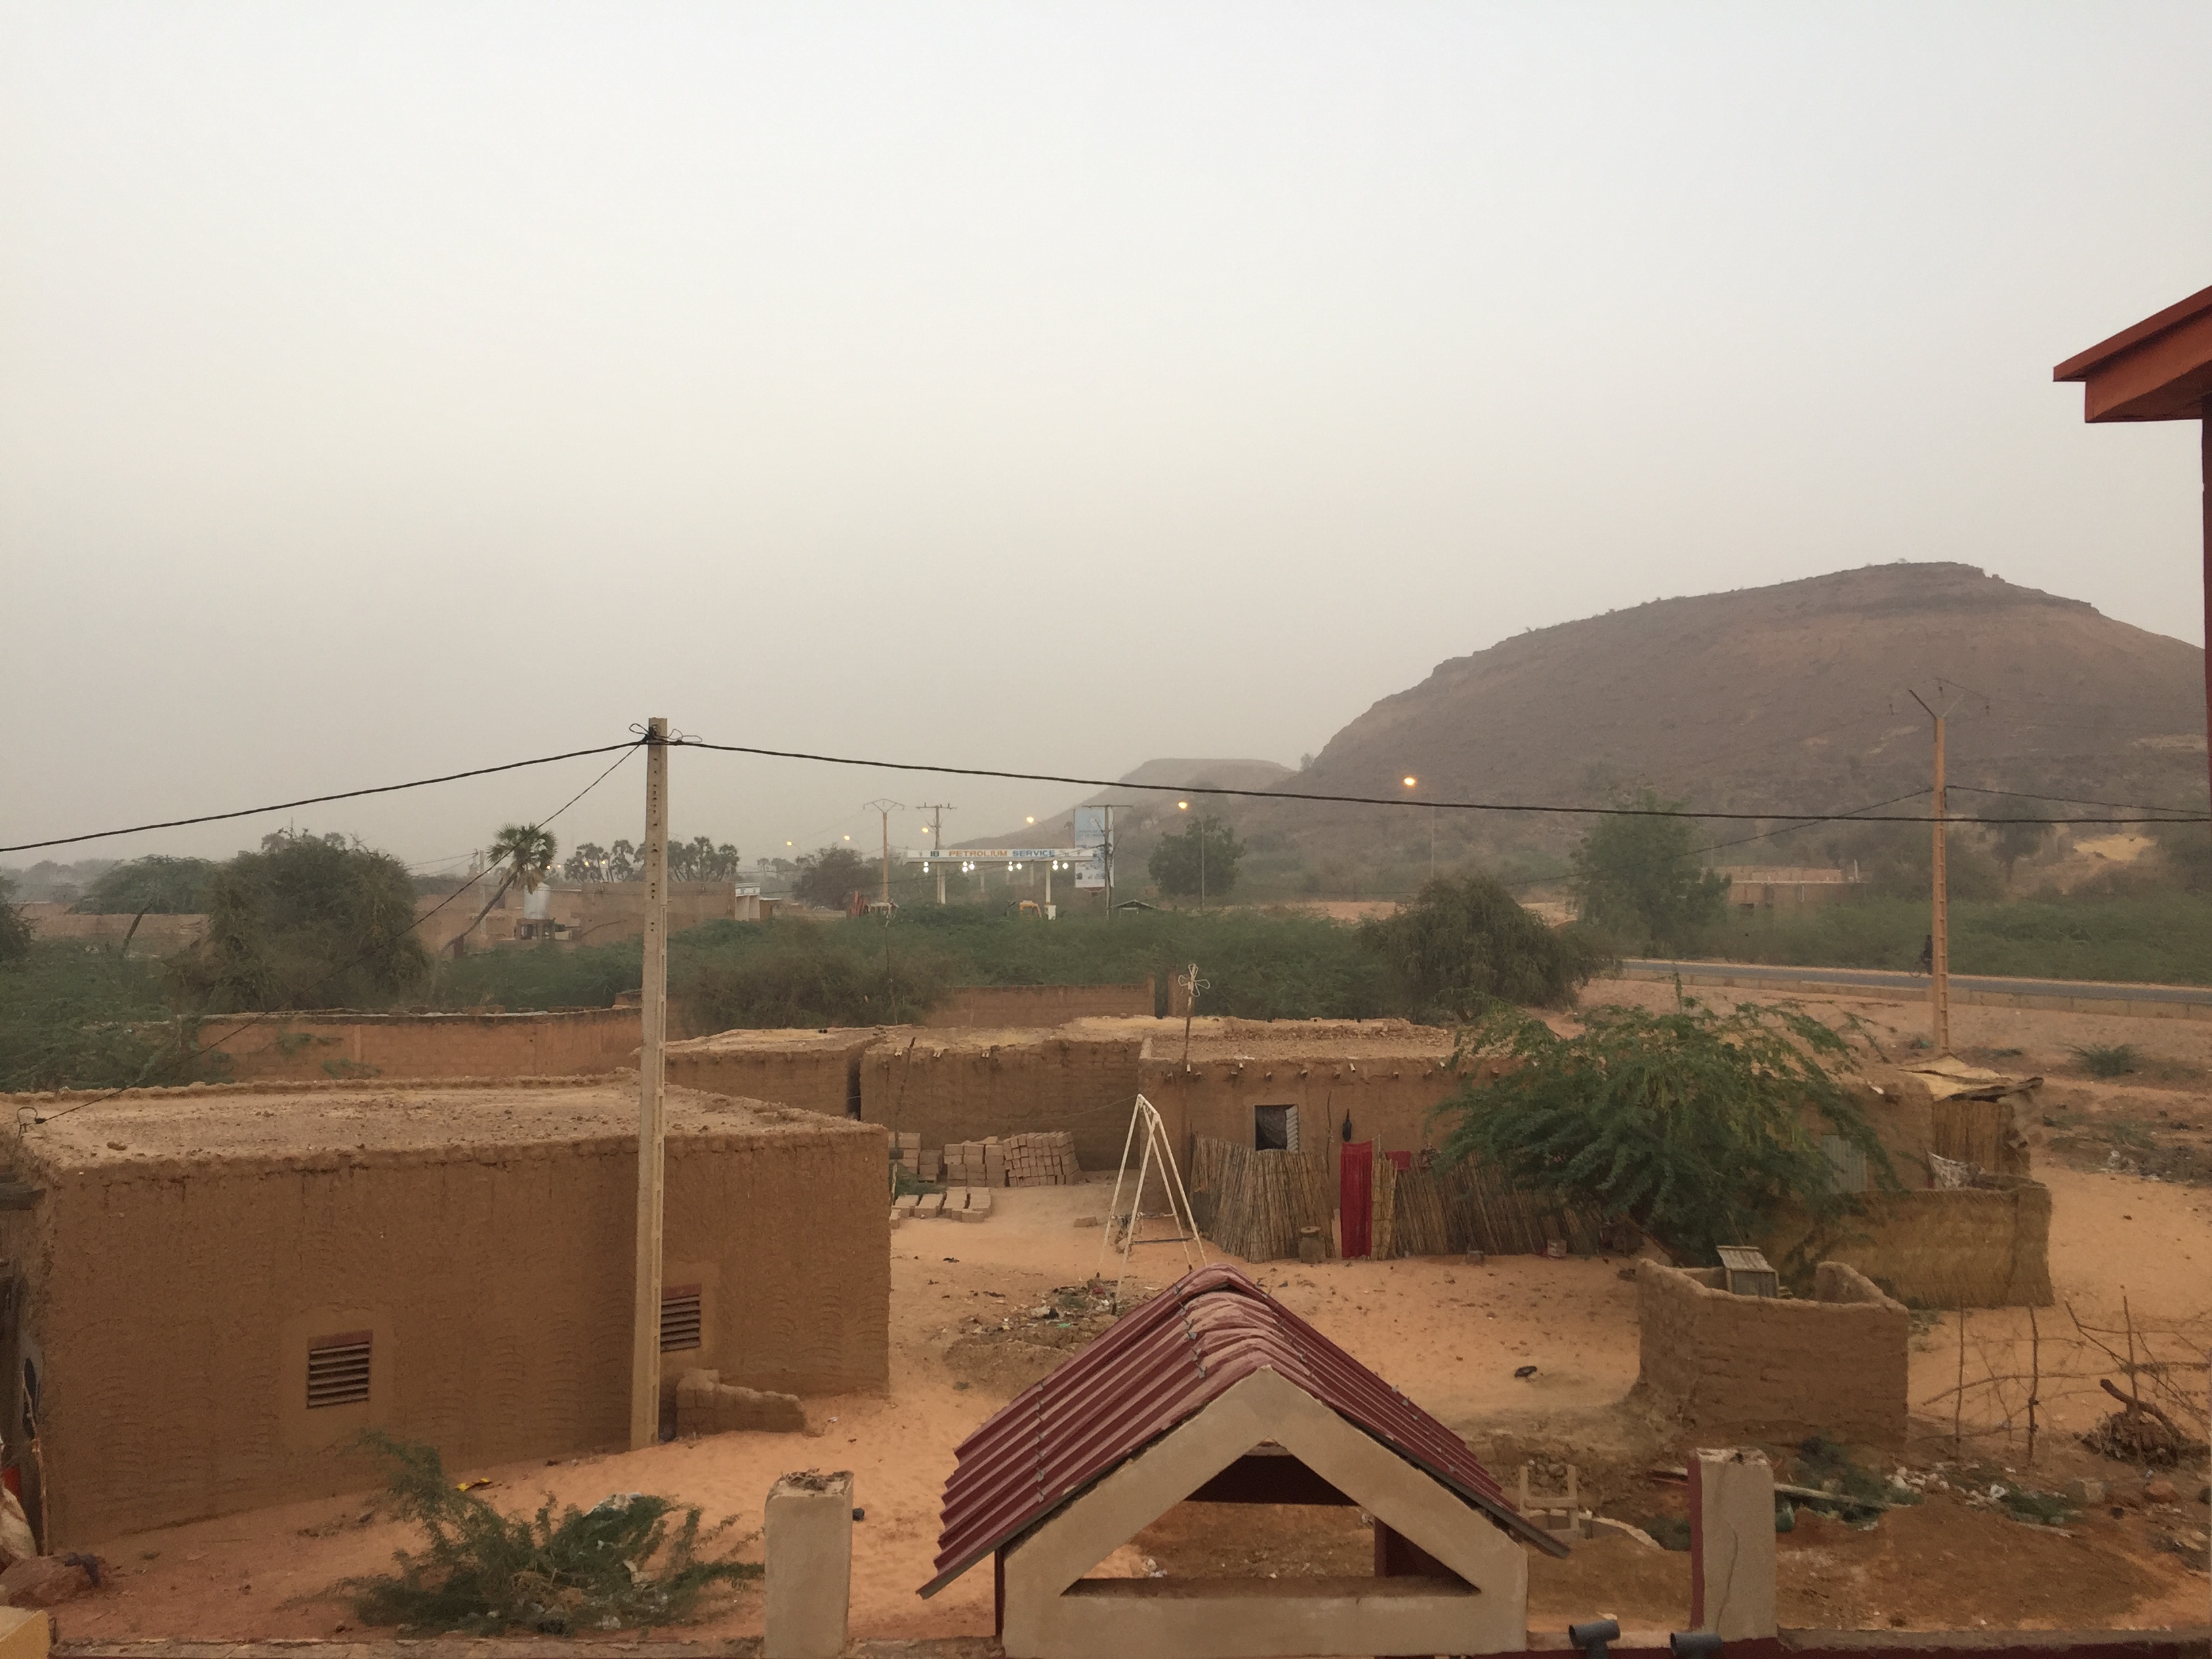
[
  {"x": 1044, "y": 1159},
  {"x": 975, "y": 1164},
  {"x": 907, "y": 1149},
  {"x": 932, "y": 1165}
]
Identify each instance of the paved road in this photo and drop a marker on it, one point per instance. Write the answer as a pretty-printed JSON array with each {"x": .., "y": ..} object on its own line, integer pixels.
[{"x": 1882, "y": 979}]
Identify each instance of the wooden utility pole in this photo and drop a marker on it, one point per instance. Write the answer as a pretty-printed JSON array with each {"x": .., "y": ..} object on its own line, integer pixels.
[
  {"x": 652, "y": 1101},
  {"x": 1939, "y": 932}
]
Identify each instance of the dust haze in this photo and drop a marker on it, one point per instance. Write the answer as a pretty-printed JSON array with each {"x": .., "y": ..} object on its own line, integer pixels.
[{"x": 385, "y": 390}]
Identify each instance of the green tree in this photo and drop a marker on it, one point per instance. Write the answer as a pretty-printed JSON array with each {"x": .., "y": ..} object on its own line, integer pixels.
[
  {"x": 831, "y": 876},
  {"x": 153, "y": 886},
  {"x": 528, "y": 851},
  {"x": 307, "y": 921},
  {"x": 15, "y": 925},
  {"x": 1463, "y": 944},
  {"x": 701, "y": 859},
  {"x": 1201, "y": 861},
  {"x": 1638, "y": 879},
  {"x": 1698, "y": 1126}
]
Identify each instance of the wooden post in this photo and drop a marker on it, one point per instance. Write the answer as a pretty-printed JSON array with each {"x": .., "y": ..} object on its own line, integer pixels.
[
  {"x": 1939, "y": 965},
  {"x": 652, "y": 1101}
]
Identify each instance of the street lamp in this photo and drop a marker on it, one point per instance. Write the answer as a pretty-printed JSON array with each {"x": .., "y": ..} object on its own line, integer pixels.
[{"x": 1412, "y": 781}]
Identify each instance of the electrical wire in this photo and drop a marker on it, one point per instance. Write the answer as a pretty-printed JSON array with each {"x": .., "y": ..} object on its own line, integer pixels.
[
  {"x": 316, "y": 800},
  {"x": 293, "y": 1001},
  {"x": 1370, "y": 800},
  {"x": 1841, "y": 817},
  {"x": 2077, "y": 800}
]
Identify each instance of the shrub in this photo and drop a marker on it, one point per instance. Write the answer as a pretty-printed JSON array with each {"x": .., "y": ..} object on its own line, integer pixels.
[
  {"x": 1690, "y": 1123},
  {"x": 614, "y": 1565},
  {"x": 1463, "y": 944},
  {"x": 2106, "y": 1058}
]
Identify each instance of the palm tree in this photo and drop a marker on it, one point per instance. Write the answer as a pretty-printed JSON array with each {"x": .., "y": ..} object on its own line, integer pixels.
[{"x": 528, "y": 851}]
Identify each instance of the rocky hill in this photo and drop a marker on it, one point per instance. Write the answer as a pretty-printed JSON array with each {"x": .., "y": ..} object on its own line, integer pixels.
[{"x": 1782, "y": 699}]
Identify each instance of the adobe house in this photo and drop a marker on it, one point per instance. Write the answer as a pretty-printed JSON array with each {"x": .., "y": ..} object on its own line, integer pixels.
[
  {"x": 1214, "y": 1392},
  {"x": 1295, "y": 1083},
  {"x": 213, "y": 1290}
]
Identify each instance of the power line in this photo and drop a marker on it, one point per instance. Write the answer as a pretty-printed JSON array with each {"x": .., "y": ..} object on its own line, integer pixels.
[
  {"x": 348, "y": 966},
  {"x": 2077, "y": 800},
  {"x": 1806, "y": 823},
  {"x": 315, "y": 801},
  {"x": 1370, "y": 800}
]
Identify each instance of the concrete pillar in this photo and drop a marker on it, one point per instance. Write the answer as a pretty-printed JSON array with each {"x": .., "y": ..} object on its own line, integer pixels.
[
  {"x": 1732, "y": 1544},
  {"x": 809, "y": 1539}
]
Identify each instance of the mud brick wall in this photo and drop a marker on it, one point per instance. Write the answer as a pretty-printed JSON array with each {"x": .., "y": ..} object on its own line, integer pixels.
[
  {"x": 1007, "y": 1005},
  {"x": 169, "y": 1303},
  {"x": 1986, "y": 1246},
  {"x": 819, "y": 1077},
  {"x": 973, "y": 1088},
  {"x": 312, "y": 1048},
  {"x": 1773, "y": 1368}
]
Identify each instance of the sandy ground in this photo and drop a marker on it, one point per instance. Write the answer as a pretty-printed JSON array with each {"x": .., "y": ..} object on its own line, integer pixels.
[{"x": 1452, "y": 1336}]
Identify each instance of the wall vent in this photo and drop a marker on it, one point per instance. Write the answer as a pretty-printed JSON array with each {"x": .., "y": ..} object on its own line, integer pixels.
[
  {"x": 679, "y": 1318},
  {"x": 337, "y": 1370}
]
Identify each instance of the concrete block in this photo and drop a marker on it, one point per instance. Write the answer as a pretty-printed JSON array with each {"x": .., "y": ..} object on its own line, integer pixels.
[
  {"x": 931, "y": 1206},
  {"x": 905, "y": 1206},
  {"x": 1732, "y": 1544},
  {"x": 706, "y": 1404},
  {"x": 809, "y": 1540},
  {"x": 24, "y": 1633}
]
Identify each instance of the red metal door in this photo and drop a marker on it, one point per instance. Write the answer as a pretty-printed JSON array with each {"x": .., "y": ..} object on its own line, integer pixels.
[{"x": 1355, "y": 1194}]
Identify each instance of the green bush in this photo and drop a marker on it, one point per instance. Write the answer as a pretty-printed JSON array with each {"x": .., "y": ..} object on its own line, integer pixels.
[
  {"x": 618, "y": 1564},
  {"x": 1690, "y": 1123},
  {"x": 74, "y": 1015},
  {"x": 1465, "y": 943},
  {"x": 2106, "y": 1059}
]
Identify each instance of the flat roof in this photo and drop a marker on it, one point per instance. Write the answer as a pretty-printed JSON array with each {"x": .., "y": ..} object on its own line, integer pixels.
[
  {"x": 1322, "y": 1040},
  {"x": 428, "y": 1121}
]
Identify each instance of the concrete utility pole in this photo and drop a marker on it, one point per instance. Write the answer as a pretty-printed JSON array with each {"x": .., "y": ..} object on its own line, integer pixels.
[
  {"x": 884, "y": 808},
  {"x": 1939, "y": 933},
  {"x": 939, "y": 808},
  {"x": 651, "y": 1100}
]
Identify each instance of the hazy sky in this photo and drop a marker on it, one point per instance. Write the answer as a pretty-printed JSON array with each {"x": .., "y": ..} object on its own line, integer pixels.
[{"x": 390, "y": 389}]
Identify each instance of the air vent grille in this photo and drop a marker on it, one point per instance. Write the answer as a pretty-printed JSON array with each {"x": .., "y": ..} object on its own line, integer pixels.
[
  {"x": 679, "y": 1318},
  {"x": 337, "y": 1370}
]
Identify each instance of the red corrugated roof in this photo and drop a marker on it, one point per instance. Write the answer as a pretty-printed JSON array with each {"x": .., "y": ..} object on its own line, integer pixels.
[{"x": 1162, "y": 1364}]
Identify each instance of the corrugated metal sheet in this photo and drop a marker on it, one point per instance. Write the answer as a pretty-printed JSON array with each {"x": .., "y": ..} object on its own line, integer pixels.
[{"x": 1156, "y": 1368}]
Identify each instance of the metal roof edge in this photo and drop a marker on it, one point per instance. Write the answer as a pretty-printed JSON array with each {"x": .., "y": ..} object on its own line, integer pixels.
[{"x": 2083, "y": 364}]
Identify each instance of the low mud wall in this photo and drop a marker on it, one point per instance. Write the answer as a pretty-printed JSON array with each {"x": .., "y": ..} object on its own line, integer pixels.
[
  {"x": 817, "y": 1072},
  {"x": 973, "y": 1087},
  {"x": 169, "y": 1305},
  {"x": 1984, "y": 1246},
  {"x": 1773, "y": 1368},
  {"x": 308, "y": 1048},
  {"x": 1004, "y": 1006}
]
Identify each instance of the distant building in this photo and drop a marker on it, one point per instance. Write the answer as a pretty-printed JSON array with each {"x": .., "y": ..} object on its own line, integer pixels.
[{"x": 1788, "y": 887}]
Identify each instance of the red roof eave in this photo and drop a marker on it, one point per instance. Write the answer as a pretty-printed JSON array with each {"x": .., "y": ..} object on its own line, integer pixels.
[{"x": 2160, "y": 370}]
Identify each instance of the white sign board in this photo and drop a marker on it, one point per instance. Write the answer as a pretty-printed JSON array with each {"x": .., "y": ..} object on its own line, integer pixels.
[{"x": 1091, "y": 837}]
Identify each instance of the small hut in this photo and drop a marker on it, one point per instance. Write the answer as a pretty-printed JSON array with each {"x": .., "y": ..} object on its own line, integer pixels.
[{"x": 1214, "y": 1392}]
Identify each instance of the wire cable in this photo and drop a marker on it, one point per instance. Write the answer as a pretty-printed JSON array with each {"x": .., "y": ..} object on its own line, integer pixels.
[
  {"x": 316, "y": 800},
  {"x": 1368, "y": 801},
  {"x": 292, "y": 1002},
  {"x": 2077, "y": 800}
]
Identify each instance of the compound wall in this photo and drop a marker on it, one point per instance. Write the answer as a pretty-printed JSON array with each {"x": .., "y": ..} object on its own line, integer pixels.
[
  {"x": 1773, "y": 1368},
  {"x": 1984, "y": 1246},
  {"x": 1006, "y": 1005},
  {"x": 317, "y": 1047},
  {"x": 977, "y": 1085},
  {"x": 817, "y": 1071}
]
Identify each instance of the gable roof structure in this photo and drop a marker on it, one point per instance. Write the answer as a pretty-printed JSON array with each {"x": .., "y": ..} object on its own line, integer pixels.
[{"x": 1157, "y": 1368}]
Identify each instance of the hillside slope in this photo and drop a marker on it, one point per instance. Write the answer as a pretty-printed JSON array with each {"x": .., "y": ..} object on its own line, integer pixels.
[{"x": 1778, "y": 699}]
